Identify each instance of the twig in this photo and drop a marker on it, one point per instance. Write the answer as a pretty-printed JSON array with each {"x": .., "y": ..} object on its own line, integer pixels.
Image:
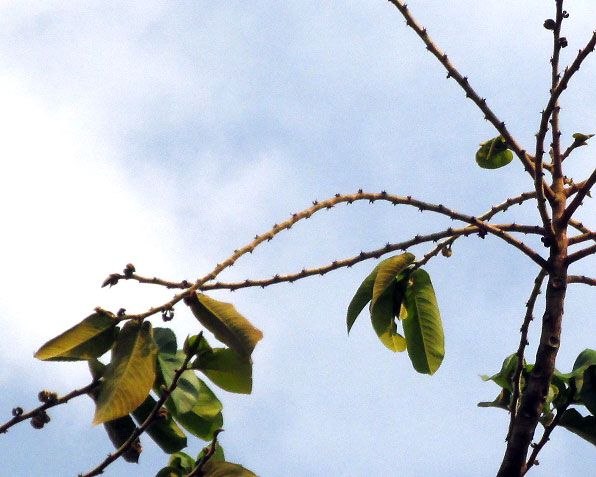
[
  {"x": 63, "y": 400},
  {"x": 582, "y": 279},
  {"x": 581, "y": 238},
  {"x": 574, "y": 257},
  {"x": 201, "y": 462},
  {"x": 523, "y": 342},
  {"x": 547, "y": 432},
  {"x": 139, "y": 430},
  {"x": 580, "y": 196},
  {"x": 555, "y": 77},
  {"x": 452, "y": 72}
]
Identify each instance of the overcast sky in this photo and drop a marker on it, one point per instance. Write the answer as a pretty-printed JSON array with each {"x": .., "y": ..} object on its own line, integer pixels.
[{"x": 168, "y": 134}]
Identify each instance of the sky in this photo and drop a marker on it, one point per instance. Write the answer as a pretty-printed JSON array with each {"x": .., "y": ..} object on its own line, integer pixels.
[{"x": 168, "y": 134}]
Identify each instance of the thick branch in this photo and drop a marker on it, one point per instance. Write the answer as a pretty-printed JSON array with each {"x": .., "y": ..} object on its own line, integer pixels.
[{"x": 581, "y": 279}]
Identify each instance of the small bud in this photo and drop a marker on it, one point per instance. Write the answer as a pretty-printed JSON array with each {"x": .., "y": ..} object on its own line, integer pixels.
[
  {"x": 446, "y": 251},
  {"x": 17, "y": 411},
  {"x": 111, "y": 280},
  {"x": 129, "y": 270},
  {"x": 549, "y": 24},
  {"x": 563, "y": 42},
  {"x": 121, "y": 312},
  {"x": 565, "y": 14}
]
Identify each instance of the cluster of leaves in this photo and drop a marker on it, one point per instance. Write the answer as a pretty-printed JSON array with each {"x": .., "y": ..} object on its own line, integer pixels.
[
  {"x": 145, "y": 359},
  {"x": 397, "y": 291},
  {"x": 576, "y": 388}
]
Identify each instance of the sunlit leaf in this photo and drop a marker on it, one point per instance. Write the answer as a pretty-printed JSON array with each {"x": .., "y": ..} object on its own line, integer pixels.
[
  {"x": 502, "y": 401},
  {"x": 217, "y": 456},
  {"x": 228, "y": 326},
  {"x": 164, "y": 431},
  {"x": 130, "y": 374},
  {"x": 226, "y": 369},
  {"x": 505, "y": 375},
  {"x": 493, "y": 154},
  {"x": 225, "y": 469},
  {"x": 423, "y": 328},
  {"x": 581, "y": 139},
  {"x": 388, "y": 272},
  {"x": 89, "y": 339},
  {"x": 199, "y": 426}
]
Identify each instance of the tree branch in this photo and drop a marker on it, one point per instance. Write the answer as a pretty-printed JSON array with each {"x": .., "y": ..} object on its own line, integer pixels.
[
  {"x": 47, "y": 405},
  {"x": 196, "y": 472},
  {"x": 581, "y": 194},
  {"x": 523, "y": 342},
  {"x": 452, "y": 72},
  {"x": 581, "y": 279},
  {"x": 574, "y": 257}
]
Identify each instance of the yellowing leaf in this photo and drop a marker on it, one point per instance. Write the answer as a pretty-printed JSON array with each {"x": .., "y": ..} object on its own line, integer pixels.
[
  {"x": 130, "y": 375},
  {"x": 227, "y": 325},
  {"x": 89, "y": 339}
]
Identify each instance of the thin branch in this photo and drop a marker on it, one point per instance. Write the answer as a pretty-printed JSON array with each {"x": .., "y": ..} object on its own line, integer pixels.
[
  {"x": 328, "y": 204},
  {"x": 581, "y": 238},
  {"x": 523, "y": 342},
  {"x": 574, "y": 257},
  {"x": 547, "y": 432},
  {"x": 196, "y": 472},
  {"x": 581, "y": 195},
  {"x": 348, "y": 262},
  {"x": 152, "y": 415},
  {"x": 452, "y": 72},
  {"x": 581, "y": 279},
  {"x": 63, "y": 400},
  {"x": 555, "y": 77}
]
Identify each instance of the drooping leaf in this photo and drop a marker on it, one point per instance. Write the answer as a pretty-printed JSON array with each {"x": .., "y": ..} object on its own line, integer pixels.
[
  {"x": 588, "y": 390},
  {"x": 583, "y": 361},
  {"x": 228, "y": 326},
  {"x": 170, "y": 471},
  {"x": 388, "y": 272},
  {"x": 494, "y": 154},
  {"x": 165, "y": 339},
  {"x": 581, "y": 139},
  {"x": 225, "y": 469},
  {"x": 583, "y": 426},
  {"x": 164, "y": 431},
  {"x": 119, "y": 430},
  {"x": 89, "y": 339},
  {"x": 363, "y": 295},
  {"x": 423, "y": 328},
  {"x": 226, "y": 369},
  {"x": 383, "y": 318},
  {"x": 185, "y": 395},
  {"x": 130, "y": 374},
  {"x": 208, "y": 406}
]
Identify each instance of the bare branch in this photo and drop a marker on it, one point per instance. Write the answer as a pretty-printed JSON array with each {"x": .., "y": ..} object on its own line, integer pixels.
[
  {"x": 581, "y": 195},
  {"x": 582, "y": 238},
  {"x": 581, "y": 279},
  {"x": 574, "y": 257},
  {"x": 47, "y": 405},
  {"x": 523, "y": 342},
  {"x": 452, "y": 72}
]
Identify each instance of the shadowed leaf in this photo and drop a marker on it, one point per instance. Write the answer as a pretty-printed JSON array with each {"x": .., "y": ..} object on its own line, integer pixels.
[
  {"x": 383, "y": 318},
  {"x": 226, "y": 369},
  {"x": 228, "y": 326},
  {"x": 186, "y": 394},
  {"x": 583, "y": 426},
  {"x": 422, "y": 327},
  {"x": 130, "y": 374},
  {"x": 89, "y": 339},
  {"x": 388, "y": 272}
]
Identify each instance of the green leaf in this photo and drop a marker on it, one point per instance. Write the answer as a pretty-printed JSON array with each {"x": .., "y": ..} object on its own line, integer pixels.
[
  {"x": 388, "y": 272},
  {"x": 494, "y": 154},
  {"x": 583, "y": 426},
  {"x": 502, "y": 401},
  {"x": 198, "y": 425},
  {"x": 228, "y": 326},
  {"x": 89, "y": 339},
  {"x": 164, "y": 431},
  {"x": 226, "y": 369},
  {"x": 422, "y": 327},
  {"x": 182, "y": 461},
  {"x": 130, "y": 374},
  {"x": 581, "y": 139},
  {"x": 225, "y": 469},
  {"x": 186, "y": 394},
  {"x": 208, "y": 406},
  {"x": 170, "y": 471},
  {"x": 503, "y": 378},
  {"x": 165, "y": 340},
  {"x": 587, "y": 394},
  {"x": 383, "y": 318}
]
